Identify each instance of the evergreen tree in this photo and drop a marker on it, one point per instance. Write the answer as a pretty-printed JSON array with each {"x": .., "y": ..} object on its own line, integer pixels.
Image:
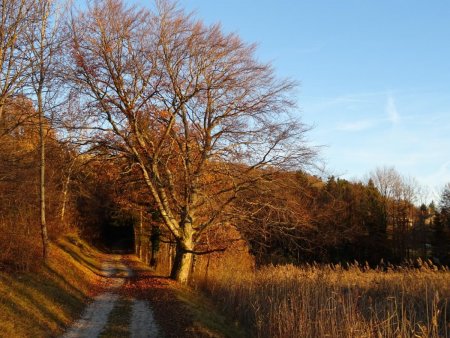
[{"x": 441, "y": 242}]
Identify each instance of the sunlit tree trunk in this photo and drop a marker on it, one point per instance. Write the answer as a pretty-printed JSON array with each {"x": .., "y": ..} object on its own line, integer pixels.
[
  {"x": 182, "y": 264},
  {"x": 65, "y": 192},
  {"x": 44, "y": 41},
  {"x": 44, "y": 232}
]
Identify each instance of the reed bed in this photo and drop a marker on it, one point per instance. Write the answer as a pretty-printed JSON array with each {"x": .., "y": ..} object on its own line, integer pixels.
[{"x": 335, "y": 301}]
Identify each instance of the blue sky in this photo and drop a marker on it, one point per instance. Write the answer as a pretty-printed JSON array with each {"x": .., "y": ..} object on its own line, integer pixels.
[{"x": 374, "y": 76}]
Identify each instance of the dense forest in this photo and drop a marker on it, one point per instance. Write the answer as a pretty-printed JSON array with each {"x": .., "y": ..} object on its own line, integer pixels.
[{"x": 121, "y": 123}]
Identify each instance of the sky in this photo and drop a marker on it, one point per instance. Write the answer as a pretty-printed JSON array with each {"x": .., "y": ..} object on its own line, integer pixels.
[{"x": 374, "y": 77}]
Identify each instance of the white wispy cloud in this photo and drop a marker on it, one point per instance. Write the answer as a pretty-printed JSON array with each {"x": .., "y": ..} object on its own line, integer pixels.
[
  {"x": 325, "y": 103},
  {"x": 391, "y": 110},
  {"x": 440, "y": 176},
  {"x": 356, "y": 125}
]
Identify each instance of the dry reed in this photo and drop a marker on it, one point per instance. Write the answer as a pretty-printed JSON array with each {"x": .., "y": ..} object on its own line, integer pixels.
[{"x": 335, "y": 301}]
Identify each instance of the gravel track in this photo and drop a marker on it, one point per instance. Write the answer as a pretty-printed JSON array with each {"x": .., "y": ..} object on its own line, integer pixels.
[
  {"x": 93, "y": 321},
  {"x": 95, "y": 317},
  {"x": 143, "y": 324}
]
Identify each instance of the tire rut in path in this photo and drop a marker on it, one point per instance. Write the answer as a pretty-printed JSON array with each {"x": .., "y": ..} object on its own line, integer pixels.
[
  {"x": 96, "y": 315},
  {"x": 143, "y": 324}
]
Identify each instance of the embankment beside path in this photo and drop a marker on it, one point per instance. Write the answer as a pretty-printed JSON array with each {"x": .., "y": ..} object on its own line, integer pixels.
[{"x": 44, "y": 302}]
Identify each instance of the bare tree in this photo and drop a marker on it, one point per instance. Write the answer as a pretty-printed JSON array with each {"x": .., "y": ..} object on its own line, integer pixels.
[
  {"x": 189, "y": 106},
  {"x": 15, "y": 20},
  {"x": 399, "y": 194},
  {"x": 44, "y": 40},
  {"x": 276, "y": 217}
]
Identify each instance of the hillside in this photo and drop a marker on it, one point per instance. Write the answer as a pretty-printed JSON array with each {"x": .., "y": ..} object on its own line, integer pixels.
[{"x": 55, "y": 296}]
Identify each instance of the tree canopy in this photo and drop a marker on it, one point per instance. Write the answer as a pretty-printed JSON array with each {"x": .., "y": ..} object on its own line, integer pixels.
[{"x": 190, "y": 107}]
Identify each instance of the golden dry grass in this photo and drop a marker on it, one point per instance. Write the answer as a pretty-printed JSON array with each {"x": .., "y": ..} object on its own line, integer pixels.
[
  {"x": 42, "y": 303},
  {"x": 332, "y": 301}
]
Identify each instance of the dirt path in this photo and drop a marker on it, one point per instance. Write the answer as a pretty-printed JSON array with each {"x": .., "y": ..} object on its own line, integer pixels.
[
  {"x": 95, "y": 318},
  {"x": 137, "y": 303},
  {"x": 142, "y": 321}
]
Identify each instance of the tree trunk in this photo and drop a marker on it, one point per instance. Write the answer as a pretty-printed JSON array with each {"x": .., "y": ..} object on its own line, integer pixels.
[
  {"x": 182, "y": 264},
  {"x": 136, "y": 242},
  {"x": 141, "y": 237},
  {"x": 2, "y": 122},
  {"x": 44, "y": 233},
  {"x": 154, "y": 258},
  {"x": 65, "y": 192}
]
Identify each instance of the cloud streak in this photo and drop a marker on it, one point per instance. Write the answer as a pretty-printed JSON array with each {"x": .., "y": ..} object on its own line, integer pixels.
[
  {"x": 356, "y": 125},
  {"x": 391, "y": 110}
]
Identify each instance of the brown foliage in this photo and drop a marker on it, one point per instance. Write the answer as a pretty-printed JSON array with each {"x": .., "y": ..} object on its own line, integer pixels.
[
  {"x": 188, "y": 105},
  {"x": 19, "y": 186}
]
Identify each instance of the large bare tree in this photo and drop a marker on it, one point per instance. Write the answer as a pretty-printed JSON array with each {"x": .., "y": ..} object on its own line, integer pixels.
[{"x": 190, "y": 107}]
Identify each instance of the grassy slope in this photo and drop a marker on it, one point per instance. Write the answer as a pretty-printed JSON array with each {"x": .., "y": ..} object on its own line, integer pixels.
[{"x": 43, "y": 303}]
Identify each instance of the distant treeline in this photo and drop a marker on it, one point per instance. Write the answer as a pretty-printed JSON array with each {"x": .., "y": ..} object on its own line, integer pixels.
[{"x": 304, "y": 218}]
